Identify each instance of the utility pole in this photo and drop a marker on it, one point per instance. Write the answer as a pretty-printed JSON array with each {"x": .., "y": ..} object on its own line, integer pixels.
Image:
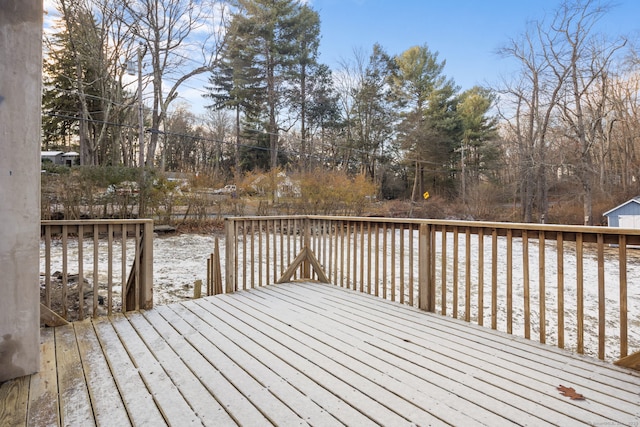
[
  {"x": 464, "y": 175},
  {"x": 140, "y": 110}
]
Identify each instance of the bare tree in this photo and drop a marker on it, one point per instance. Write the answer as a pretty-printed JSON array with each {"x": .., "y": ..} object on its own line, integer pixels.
[
  {"x": 84, "y": 68},
  {"x": 180, "y": 39},
  {"x": 562, "y": 62},
  {"x": 527, "y": 107},
  {"x": 585, "y": 59}
]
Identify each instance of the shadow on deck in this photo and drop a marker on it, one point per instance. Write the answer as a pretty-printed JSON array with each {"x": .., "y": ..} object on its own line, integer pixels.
[{"x": 307, "y": 353}]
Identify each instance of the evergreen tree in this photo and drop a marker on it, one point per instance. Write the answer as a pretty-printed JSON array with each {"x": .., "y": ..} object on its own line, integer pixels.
[
  {"x": 236, "y": 83},
  {"x": 71, "y": 98},
  {"x": 430, "y": 128},
  {"x": 478, "y": 155},
  {"x": 271, "y": 31},
  {"x": 301, "y": 76}
]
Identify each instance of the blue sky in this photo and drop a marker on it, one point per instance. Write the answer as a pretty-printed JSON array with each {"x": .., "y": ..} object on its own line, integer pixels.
[{"x": 465, "y": 33}]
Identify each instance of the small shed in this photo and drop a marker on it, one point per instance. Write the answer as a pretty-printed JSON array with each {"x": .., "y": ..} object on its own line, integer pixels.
[
  {"x": 626, "y": 215},
  {"x": 71, "y": 158},
  {"x": 54, "y": 157}
]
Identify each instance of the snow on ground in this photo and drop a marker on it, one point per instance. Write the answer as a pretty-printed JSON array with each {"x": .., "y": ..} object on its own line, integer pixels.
[{"x": 178, "y": 262}]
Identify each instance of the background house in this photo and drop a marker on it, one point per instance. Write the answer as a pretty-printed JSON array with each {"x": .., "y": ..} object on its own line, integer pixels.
[
  {"x": 54, "y": 157},
  {"x": 70, "y": 158},
  {"x": 626, "y": 215}
]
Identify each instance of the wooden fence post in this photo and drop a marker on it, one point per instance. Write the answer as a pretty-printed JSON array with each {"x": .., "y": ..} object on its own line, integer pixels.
[
  {"x": 146, "y": 267},
  {"x": 426, "y": 296},
  {"x": 306, "y": 266},
  {"x": 230, "y": 256}
]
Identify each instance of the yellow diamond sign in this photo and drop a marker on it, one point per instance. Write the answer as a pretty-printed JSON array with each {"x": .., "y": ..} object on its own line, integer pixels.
[{"x": 426, "y": 195}]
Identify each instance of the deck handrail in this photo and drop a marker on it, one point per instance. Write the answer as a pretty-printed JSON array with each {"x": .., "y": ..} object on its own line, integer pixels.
[
  {"x": 463, "y": 269},
  {"x": 100, "y": 238}
]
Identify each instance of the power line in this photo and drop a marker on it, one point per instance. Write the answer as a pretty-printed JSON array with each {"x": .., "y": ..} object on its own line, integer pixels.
[{"x": 410, "y": 161}]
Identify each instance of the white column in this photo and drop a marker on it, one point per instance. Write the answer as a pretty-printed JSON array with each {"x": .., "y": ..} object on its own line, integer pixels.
[{"x": 20, "y": 127}]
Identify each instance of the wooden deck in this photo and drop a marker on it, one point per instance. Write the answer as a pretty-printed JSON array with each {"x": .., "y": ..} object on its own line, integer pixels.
[{"x": 308, "y": 353}]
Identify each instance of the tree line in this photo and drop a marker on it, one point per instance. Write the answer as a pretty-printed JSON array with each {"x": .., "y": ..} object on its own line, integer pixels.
[{"x": 564, "y": 125}]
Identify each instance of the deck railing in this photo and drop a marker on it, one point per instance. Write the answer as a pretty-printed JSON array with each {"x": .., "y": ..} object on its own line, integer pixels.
[
  {"x": 572, "y": 286},
  {"x": 104, "y": 266}
]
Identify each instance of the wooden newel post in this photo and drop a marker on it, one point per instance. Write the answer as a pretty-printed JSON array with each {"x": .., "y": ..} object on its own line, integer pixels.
[
  {"x": 230, "y": 255},
  {"x": 426, "y": 291},
  {"x": 146, "y": 266},
  {"x": 306, "y": 267}
]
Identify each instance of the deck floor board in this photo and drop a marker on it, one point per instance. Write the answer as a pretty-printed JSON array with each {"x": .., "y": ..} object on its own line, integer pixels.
[
  {"x": 44, "y": 409},
  {"x": 307, "y": 354},
  {"x": 75, "y": 403},
  {"x": 105, "y": 398}
]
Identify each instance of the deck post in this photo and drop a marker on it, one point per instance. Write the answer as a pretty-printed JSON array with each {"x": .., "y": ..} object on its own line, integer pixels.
[
  {"x": 230, "y": 255},
  {"x": 146, "y": 266},
  {"x": 306, "y": 266},
  {"x": 426, "y": 297},
  {"x": 20, "y": 128}
]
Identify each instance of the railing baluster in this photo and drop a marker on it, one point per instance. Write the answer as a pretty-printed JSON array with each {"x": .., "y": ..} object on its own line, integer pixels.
[
  {"x": 525, "y": 284},
  {"x": 123, "y": 267},
  {"x": 275, "y": 234},
  {"x": 369, "y": 257},
  {"x": 467, "y": 275},
  {"x": 377, "y": 259},
  {"x": 47, "y": 268},
  {"x": 432, "y": 269},
  {"x": 65, "y": 283},
  {"x": 337, "y": 232},
  {"x": 456, "y": 258},
  {"x": 402, "y": 284},
  {"x": 541, "y": 286},
  {"x": 326, "y": 247},
  {"x": 362, "y": 281},
  {"x": 393, "y": 262},
  {"x": 283, "y": 267},
  {"x": 351, "y": 255},
  {"x": 260, "y": 258},
  {"x": 601, "y": 298},
  {"x": 297, "y": 231},
  {"x": 494, "y": 279},
  {"x": 136, "y": 282},
  {"x": 80, "y": 273},
  {"x": 560, "y": 274},
  {"x": 384, "y": 260},
  {"x": 245, "y": 251},
  {"x": 580, "y": 293},
  {"x": 443, "y": 272},
  {"x": 480, "y": 277},
  {"x": 622, "y": 255},
  {"x": 253, "y": 252},
  {"x": 267, "y": 248},
  {"x": 96, "y": 267},
  {"x": 509, "y": 281},
  {"x": 411, "y": 264},
  {"x": 110, "y": 269}
]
